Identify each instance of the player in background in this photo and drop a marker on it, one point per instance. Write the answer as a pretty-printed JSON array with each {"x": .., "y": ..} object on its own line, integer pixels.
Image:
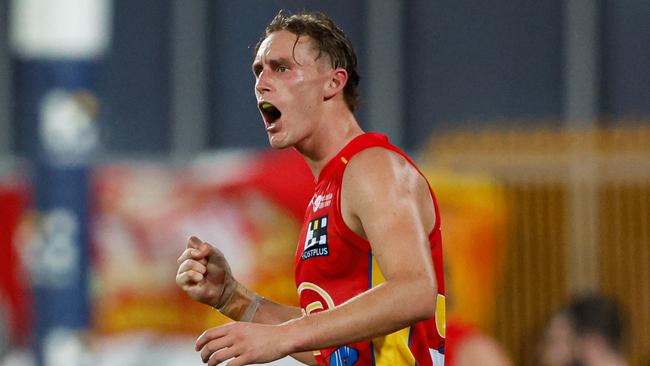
[{"x": 368, "y": 260}]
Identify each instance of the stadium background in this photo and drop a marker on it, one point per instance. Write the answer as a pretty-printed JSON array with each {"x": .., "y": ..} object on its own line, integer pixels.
[{"x": 531, "y": 119}]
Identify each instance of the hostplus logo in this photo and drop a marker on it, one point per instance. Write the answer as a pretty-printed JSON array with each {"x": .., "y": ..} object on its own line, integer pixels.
[{"x": 316, "y": 239}]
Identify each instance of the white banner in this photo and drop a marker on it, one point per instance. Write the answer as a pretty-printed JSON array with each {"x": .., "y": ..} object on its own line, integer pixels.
[{"x": 60, "y": 29}]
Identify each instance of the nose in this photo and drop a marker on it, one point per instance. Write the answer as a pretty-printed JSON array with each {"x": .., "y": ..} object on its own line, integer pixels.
[{"x": 262, "y": 83}]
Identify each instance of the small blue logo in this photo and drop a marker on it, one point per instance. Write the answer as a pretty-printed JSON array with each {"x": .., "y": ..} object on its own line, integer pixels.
[{"x": 344, "y": 356}]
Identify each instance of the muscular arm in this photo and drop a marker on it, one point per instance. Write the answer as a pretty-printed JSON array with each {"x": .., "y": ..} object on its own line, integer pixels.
[{"x": 386, "y": 201}]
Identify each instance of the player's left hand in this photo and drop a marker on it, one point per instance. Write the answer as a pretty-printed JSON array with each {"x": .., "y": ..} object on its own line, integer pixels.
[{"x": 245, "y": 343}]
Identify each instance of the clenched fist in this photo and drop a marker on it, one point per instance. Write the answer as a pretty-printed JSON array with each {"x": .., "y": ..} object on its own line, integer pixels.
[{"x": 204, "y": 274}]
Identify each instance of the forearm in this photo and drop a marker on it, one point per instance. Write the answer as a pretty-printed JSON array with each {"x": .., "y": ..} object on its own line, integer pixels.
[
  {"x": 243, "y": 304},
  {"x": 384, "y": 309},
  {"x": 270, "y": 312},
  {"x": 266, "y": 312}
]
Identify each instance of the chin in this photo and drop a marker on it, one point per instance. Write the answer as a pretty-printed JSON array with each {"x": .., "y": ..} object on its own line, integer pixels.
[
  {"x": 278, "y": 146},
  {"x": 278, "y": 143}
]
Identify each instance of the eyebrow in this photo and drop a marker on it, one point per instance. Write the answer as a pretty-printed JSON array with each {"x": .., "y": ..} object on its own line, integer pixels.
[{"x": 257, "y": 64}]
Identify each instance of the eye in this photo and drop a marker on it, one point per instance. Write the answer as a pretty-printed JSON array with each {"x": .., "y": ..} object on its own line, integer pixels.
[{"x": 282, "y": 68}]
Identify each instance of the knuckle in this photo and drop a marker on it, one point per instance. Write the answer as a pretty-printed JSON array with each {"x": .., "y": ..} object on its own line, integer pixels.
[
  {"x": 182, "y": 279},
  {"x": 195, "y": 276},
  {"x": 245, "y": 358},
  {"x": 184, "y": 265}
]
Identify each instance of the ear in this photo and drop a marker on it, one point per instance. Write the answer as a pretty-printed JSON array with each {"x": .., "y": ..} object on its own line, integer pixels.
[{"x": 336, "y": 83}]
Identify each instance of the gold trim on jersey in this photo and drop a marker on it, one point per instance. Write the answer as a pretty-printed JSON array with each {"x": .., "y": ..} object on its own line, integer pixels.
[{"x": 391, "y": 349}]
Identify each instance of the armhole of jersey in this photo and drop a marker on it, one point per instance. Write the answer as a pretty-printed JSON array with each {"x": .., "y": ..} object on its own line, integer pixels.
[
  {"x": 338, "y": 216},
  {"x": 356, "y": 239},
  {"x": 436, "y": 211}
]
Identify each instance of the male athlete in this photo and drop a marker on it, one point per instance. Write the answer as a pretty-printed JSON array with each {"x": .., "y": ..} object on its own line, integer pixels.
[{"x": 368, "y": 265}]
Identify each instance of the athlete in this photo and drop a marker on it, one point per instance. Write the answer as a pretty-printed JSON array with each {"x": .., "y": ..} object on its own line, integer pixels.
[{"x": 368, "y": 264}]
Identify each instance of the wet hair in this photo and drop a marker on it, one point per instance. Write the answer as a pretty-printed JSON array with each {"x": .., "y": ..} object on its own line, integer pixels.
[
  {"x": 595, "y": 314},
  {"x": 328, "y": 39}
]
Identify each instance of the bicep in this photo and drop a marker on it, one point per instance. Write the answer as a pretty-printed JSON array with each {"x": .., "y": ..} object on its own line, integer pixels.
[{"x": 393, "y": 205}]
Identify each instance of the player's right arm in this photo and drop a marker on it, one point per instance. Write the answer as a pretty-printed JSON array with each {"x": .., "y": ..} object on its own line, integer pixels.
[{"x": 205, "y": 275}]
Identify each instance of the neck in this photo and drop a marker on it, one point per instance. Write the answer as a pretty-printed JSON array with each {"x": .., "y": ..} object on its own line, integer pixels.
[{"x": 334, "y": 131}]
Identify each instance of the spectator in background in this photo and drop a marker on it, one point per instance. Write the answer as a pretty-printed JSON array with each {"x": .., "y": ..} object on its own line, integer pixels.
[
  {"x": 466, "y": 345},
  {"x": 556, "y": 346},
  {"x": 589, "y": 331}
]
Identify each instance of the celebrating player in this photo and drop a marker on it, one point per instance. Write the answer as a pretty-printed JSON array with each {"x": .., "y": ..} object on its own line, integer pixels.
[{"x": 368, "y": 267}]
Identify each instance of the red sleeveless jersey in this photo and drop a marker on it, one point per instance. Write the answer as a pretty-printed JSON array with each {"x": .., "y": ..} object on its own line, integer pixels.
[{"x": 334, "y": 264}]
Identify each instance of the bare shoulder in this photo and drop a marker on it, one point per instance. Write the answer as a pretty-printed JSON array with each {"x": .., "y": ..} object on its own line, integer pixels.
[
  {"x": 381, "y": 171},
  {"x": 380, "y": 181}
]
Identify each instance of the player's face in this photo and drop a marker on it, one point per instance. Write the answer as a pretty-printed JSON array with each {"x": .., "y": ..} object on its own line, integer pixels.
[{"x": 289, "y": 87}]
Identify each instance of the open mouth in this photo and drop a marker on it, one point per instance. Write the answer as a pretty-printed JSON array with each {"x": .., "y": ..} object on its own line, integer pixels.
[{"x": 271, "y": 113}]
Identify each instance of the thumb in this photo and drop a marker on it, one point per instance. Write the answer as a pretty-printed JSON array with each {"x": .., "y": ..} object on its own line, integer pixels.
[
  {"x": 201, "y": 249},
  {"x": 194, "y": 242}
]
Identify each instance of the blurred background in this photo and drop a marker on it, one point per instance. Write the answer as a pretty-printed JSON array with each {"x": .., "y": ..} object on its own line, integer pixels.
[{"x": 127, "y": 126}]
